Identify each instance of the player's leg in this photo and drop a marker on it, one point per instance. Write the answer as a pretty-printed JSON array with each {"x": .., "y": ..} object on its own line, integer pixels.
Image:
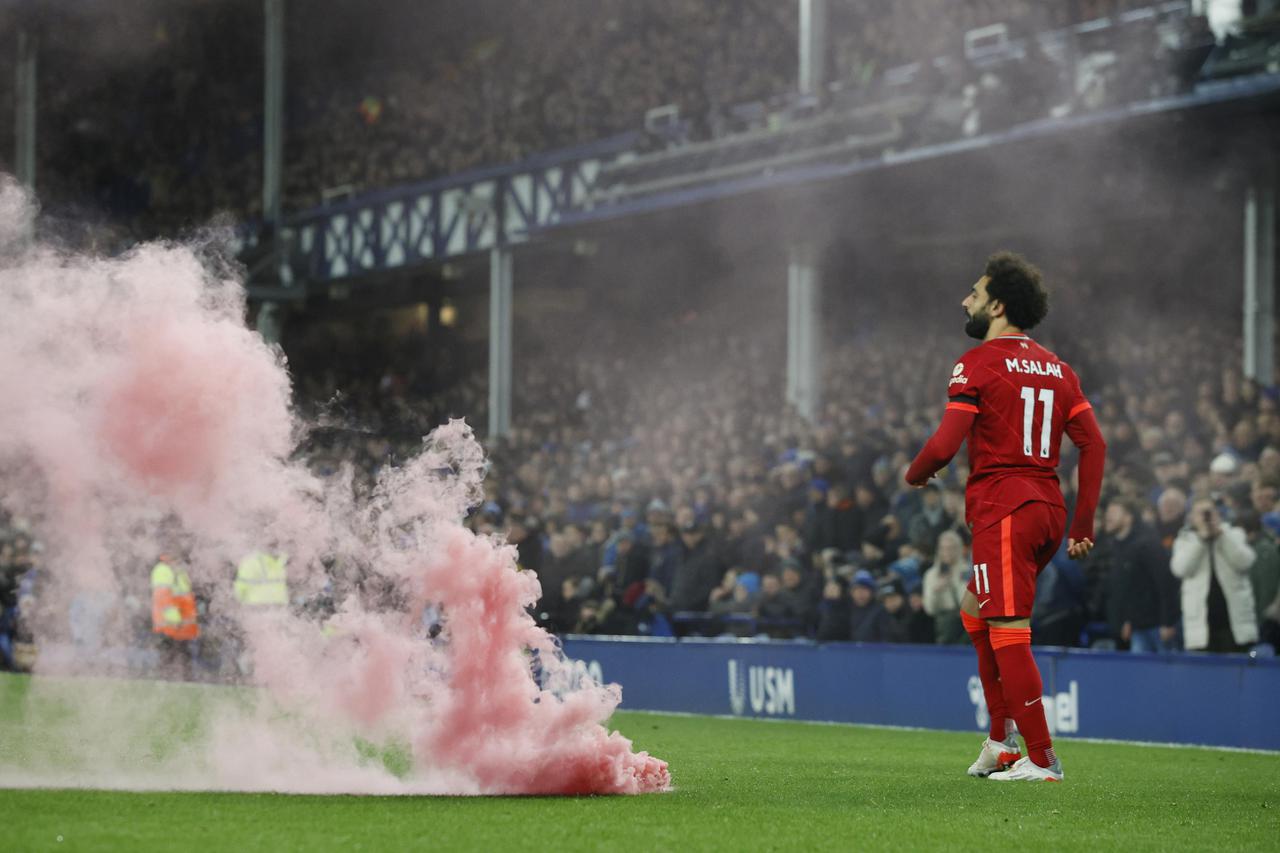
[
  {"x": 1025, "y": 535},
  {"x": 1000, "y": 748}
]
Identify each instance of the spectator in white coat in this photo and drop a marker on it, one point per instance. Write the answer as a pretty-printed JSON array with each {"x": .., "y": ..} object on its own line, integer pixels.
[
  {"x": 1212, "y": 559},
  {"x": 944, "y": 584}
]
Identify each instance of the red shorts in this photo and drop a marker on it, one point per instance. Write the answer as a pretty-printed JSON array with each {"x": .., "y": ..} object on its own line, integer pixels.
[{"x": 1008, "y": 557}]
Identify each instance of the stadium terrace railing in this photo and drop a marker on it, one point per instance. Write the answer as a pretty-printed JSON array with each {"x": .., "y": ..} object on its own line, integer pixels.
[
  {"x": 1216, "y": 700},
  {"x": 441, "y": 219}
]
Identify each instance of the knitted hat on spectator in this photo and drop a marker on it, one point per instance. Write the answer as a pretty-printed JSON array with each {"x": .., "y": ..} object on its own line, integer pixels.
[
  {"x": 1223, "y": 463},
  {"x": 1271, "y": 523},
  {"x": 864, "y": 578},
  {"x": 750, "y": 581}
]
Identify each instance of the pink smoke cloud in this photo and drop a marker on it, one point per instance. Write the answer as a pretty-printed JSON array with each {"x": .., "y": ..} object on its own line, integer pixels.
[{"x": 137, "y": 407}]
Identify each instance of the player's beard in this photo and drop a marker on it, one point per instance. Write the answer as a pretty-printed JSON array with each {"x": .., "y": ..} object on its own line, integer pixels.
[{"x": 976, "y": 325}]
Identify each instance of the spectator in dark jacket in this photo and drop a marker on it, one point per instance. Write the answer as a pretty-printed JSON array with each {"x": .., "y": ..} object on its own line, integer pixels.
[
  {"x": 871, "y": 506},
  {"x": 929, "y": 521},
  {"x": 920, "y": 625},
  {"x": 607, "y": 617},
  {"x": 525, "y": 534},
  {"x": 776, "y": 609},
  {"x": 632, "y": 560},
  {"x": 842, "y": 520},
  {"x": 664, "y": 555},
  {"x": 813, "y": 532},
  {"x": 894, "y": 601},
  {"x": 796, "y": 586},
  {"x": 1141, "y": 591},
  {"x": 1268, "y": 609},
  {"x": 1265, "y": 571},
  {"x": 833, "y": 612},
  {"x": 881, "y": 543},
  {"x": 869, "y": 622},
  {"x": 699, "y": 569}
]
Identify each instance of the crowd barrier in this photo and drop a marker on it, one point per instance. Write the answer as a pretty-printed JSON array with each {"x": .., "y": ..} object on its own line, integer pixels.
[{"x": 1220, "y": 700}]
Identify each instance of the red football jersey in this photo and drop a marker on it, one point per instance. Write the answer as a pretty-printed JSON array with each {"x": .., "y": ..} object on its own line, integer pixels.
[{"x": 1023, "y": 395}]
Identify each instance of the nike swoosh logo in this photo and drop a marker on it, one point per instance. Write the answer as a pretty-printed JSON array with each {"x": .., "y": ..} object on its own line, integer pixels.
[
  {"x": 982, "y": 604},
  {"x": 1032, "y": 702}
]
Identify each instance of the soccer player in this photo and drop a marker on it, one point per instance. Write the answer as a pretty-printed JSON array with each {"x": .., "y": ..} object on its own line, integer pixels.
[{"x": 1013, "y": 400}]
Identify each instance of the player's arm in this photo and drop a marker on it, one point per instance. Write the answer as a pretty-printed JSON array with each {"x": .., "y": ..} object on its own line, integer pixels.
[
  {"x": 943, "y": 445},
  {"x": 1082, "y": 428}
]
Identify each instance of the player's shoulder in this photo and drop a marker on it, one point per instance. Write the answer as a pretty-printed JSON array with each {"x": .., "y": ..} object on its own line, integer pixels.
[
  {"x": 1011, "y": 354},
  {"x": 973, "y": 355},
  {"x": 1048, "y": 356},
  {"x": 985, "y": 358}
]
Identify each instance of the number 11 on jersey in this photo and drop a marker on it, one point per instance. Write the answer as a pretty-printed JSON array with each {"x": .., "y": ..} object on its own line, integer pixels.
[
  {"x": 1028, "y": 414},
  {"x": 981, "y": 584}
]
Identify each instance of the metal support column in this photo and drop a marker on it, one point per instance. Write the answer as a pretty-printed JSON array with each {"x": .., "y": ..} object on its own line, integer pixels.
[
  {"x": 273, "y": 112},
  {"x": 500, "y": 295},
  {"x": 24, "y": 120},
  {"x": 813, "y": 44},
  {"x": 1260, "y": 283},
  {"x": 804, "y": 331}
]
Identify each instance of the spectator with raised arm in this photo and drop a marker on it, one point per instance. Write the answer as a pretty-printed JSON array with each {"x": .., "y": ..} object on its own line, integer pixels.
[
  {"x": 1212, "y": 558},
  {"x": 943, "y": 589}
]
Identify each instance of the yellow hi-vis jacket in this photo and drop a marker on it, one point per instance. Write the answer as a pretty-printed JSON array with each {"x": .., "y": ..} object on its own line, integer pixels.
[
  {"x": 173, "y": 605},
  {"x": 260, "y": 580}
]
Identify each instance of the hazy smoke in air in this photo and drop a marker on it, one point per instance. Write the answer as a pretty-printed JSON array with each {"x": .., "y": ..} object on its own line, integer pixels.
[{"x": 142, "y": 417}]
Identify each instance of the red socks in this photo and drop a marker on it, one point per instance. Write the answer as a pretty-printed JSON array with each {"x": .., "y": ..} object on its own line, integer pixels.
[
  {"x": 989, "y": 672},
  {"x": 1022, "y": 689}
]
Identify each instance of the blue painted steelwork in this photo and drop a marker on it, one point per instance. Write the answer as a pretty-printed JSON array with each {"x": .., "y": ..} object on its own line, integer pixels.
[
  {"x": 1218, "y": 700},
  {"x": 437, "y": 220}
]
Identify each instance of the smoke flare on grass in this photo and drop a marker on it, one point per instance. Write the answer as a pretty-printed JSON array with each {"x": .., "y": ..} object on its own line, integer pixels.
[{"x": 142, "y": 417}]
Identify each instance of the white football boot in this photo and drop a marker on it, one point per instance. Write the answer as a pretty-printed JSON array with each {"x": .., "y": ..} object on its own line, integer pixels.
[
  {"x": 1026, "y": 770},
  {"x": 995, "y": 755}
]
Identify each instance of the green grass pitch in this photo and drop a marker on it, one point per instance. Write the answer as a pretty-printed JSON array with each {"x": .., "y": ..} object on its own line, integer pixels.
[{"x": 740, "y": 785}]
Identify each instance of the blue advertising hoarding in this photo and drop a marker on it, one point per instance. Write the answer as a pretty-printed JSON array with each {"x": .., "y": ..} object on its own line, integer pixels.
[{"x": 1226, "y": 700}]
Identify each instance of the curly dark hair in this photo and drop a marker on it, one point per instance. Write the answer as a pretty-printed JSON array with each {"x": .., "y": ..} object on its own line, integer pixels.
[{"x": 1016, "y": 283}]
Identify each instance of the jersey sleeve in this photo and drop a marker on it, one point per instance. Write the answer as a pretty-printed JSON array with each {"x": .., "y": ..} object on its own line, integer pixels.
[
  {"x": 962, "y": 389},
  {"x": 1076, "y": 400}
]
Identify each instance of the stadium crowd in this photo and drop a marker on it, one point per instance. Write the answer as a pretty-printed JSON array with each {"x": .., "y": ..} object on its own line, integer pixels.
[
  {"x": 682, "y": 497},
  {"x": 155, "y": 126},
  {"x": 716, "y": 509}
]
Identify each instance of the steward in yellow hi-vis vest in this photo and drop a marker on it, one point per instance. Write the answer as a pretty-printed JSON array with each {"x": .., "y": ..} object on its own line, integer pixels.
[
  {"x": 260, "y": 580},
  {"x": 173, "y": 605}
]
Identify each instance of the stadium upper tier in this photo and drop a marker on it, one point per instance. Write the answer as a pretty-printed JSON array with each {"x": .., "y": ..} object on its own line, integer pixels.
[
  {"x": 409, "y": 95},
  {"x": 1038, "y": 87}
]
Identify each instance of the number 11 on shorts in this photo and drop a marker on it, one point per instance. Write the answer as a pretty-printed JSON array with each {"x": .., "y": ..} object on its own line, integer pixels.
[{"x": 980, "y": 583}]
